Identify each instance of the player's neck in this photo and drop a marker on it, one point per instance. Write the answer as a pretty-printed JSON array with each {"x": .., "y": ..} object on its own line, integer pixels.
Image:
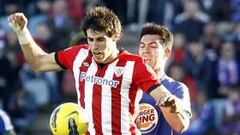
[
  {"x": 112, "y": 56},
  {"x": 160, "y": 73}
]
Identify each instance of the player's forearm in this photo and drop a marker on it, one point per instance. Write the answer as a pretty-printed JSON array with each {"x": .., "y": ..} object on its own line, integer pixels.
[
  {"x": 35, "y": 56},
  {"x": 160, "y": 94},
  {"x": 32, "y": 52},
  {"x": 178, "y": 121},
  {"x": 172, "y": 111}
]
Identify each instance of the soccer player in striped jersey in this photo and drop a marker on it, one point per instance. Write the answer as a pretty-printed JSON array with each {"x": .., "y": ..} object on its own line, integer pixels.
[
  {"x": 155, "y": 47},
  {"x": 106, "y": 79}
]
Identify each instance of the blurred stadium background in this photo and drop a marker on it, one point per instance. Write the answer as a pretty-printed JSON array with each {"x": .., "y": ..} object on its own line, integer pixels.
[{"x": 205, "y": 57}]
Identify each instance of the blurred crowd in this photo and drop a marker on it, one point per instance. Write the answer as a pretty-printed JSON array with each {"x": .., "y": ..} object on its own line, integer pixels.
[{"x": 206, "y": 55}]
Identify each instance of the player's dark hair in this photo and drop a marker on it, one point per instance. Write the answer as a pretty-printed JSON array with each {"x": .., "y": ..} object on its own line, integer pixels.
[
  {"x": 102, "y": 19},
  {"x": 165, "y": 36}
]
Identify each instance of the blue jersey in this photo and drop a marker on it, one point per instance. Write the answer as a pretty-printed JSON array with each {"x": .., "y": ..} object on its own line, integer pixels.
[
  {"x": 5, "y": 123},
  {"x": 151, "y": 117}
]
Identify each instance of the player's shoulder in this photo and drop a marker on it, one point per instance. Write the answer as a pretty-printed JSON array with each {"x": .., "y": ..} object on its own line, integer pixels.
[
  {"x": 80, "y": 46},
  {"x": 125, "y": 55},
  {"x": 5, "y": 121},
  {"x": 75, "y": 49},
  {"x": 3, "y": 113},
  {"x": 174, "y": 85}
]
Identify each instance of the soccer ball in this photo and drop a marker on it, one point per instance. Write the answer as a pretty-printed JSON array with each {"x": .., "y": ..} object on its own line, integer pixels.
[{"x": 68, "y": 119}]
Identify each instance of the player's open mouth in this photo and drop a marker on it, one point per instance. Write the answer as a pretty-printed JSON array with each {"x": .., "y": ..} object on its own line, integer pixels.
[
  {"x": 147, "y": 60},
  {"x": 97, "y": 54}
]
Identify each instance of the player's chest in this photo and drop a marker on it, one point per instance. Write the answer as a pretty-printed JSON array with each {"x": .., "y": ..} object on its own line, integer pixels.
[{"x": 111, "y": 75}]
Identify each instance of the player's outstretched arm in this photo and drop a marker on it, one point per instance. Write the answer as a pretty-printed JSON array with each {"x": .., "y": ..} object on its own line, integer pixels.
[
  {"x": 35, "y": 56},
  {"x": 171, "y": 109}
]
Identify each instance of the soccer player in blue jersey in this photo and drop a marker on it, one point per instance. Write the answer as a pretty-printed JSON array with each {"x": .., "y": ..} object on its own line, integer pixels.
[
  {"x": 6, "y": 127},
  {"x": 155, "y": 47}
]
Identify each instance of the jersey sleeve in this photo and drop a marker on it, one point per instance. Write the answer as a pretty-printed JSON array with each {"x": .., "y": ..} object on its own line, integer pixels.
[
  {"x": 144, "y": 76},
  {"x": 184, "y": 97},
  {"x": 6, "y": 124},
  {"x": 65, "y": 58}
]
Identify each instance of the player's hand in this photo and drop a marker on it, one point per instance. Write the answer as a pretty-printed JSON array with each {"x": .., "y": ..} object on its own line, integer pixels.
[
  {"x": 172, "y": 103},
  {"x": 162, "y": 98},
  {"x": 17, "y": 21}
]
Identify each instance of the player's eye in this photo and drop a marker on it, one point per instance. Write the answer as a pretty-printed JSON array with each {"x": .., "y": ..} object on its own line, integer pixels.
[
  {"x": 142, "y": 45},
  {"x": 154, "y": 46},
  {"x": 100, "y": 39},
  {"x": 90, "y": 39}
]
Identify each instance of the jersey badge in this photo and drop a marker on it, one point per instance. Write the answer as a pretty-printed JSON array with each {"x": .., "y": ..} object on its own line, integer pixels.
[{"x": 119, "y": 71}]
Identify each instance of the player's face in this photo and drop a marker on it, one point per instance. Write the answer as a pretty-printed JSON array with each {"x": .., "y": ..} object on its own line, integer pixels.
[
  {"x": 152, "y": 51},
  {"x": 101, "y": 46}
]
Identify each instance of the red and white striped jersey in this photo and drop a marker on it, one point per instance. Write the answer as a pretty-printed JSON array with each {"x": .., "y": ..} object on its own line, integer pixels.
[{"x": 108, "y": 92}]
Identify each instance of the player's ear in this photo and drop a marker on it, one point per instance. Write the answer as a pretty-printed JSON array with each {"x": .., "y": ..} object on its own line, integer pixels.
[
  {"x": 167, "y": 52},
  {"x": 116, "y": 37}
]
